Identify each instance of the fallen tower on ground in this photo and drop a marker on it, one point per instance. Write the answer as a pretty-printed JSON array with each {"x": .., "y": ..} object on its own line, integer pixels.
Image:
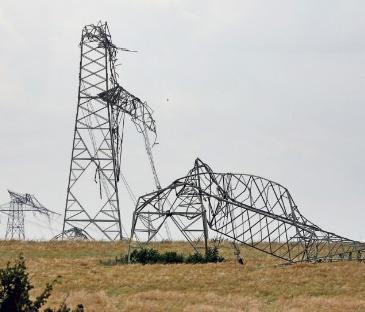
[{"x": 243, "y": 208}]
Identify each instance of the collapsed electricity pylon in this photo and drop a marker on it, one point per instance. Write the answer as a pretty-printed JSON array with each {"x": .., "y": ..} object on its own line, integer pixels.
[
  {"x": 244, "y": 208},
  {"x": 16, "y": 208},
  {"x": 92, "y": 201}
]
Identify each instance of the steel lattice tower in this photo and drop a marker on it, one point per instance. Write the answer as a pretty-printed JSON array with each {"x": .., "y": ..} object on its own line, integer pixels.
[
  {"x": 15, "y": 210},
  {"x": 15, "y": 226},
  {"x": 92, "y": 202},
  {"x": 93, "y": 144}
]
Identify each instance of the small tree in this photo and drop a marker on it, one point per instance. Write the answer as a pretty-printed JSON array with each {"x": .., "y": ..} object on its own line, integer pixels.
[{"x": 14, "y": 290}]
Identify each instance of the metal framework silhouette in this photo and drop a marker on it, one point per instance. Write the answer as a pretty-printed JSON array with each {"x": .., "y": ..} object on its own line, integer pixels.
[
  {"x": 92, "y": 201},
  {"x": 73, "y": 233},
  {"x": 15, "y": 210},
  {"x": 243, "y": 208}
]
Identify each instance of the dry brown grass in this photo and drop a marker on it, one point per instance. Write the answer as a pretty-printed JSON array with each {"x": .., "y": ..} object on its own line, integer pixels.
[{"x": 260, "y": 285}]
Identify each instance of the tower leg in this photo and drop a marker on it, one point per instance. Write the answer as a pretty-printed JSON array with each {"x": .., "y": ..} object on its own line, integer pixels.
[{"x": 205, "y": 229}]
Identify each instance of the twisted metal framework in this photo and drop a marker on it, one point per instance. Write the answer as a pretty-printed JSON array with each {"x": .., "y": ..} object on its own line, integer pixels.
[
  {"x": 16, "y": 208},
  {"x": 92, "y": 201},
  {"x": 244, "y": 208},
  {"x": 73, "y": 233}
]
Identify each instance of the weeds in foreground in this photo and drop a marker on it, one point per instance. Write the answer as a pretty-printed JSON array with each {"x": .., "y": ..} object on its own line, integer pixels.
[{"x": 153, "y": 256}]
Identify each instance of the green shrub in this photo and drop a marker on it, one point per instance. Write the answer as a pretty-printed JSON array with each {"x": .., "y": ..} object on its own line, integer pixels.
[
  {"x": 194, "y": 258},
  {"x": 145, "y": 256},
  {"x": 171, "y": 257},
  {"x": 151, "y": 256},
  {"x": 213, "y": 255},
  {"x": 14, "y": 290}
]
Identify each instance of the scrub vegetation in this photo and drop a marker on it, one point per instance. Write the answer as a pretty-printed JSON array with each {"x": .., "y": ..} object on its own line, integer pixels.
[
  {"x": 145, "y": 255},
  {"x": 261, "y": 284}
]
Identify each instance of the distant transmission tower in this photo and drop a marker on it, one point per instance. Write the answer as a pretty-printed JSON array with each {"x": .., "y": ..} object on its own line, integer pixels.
[
  {"x": 15, "y": 209},
  {"x": 92, "y": 202}
]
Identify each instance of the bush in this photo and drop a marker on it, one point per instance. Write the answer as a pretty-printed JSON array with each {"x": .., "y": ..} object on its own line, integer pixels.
[
  {"x": 213, "y": 255},
  {"x": 194, "y": 258},
  {"x": 14, "y": 290},
  {"x": 171, "y": 257},
  {"x": 145, "y": 256},
  {"x": 151, "y": 256}
]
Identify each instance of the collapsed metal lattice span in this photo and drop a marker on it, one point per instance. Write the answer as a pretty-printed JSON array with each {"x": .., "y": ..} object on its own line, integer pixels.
[
  {"x": 15, "y": 210},
  {"x": 244, "y": 208},
  {"x": 92, "y": 202},
  {"x": 72, "y": 234}
]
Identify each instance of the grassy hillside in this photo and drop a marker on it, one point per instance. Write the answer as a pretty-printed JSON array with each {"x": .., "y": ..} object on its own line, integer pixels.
[{"x": 260, "y": 285}]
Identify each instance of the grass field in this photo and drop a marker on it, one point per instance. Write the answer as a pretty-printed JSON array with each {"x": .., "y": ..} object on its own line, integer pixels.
[{"x": 260, "y": 285}]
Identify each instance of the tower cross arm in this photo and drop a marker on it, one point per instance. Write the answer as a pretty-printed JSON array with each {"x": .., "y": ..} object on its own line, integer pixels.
[
  {"x": 141, "y": 114},
  {"x": 28, "y": 202}
]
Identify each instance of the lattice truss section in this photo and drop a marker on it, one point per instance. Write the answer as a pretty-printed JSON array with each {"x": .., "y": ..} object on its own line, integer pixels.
[
  {"x": 92, "y": 203},
  {"x": 244, "y": 208}
]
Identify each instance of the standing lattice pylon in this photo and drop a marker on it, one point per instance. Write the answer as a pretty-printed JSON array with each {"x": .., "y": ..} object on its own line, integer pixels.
[
  {"x": 92, "y": 185},
  {"x": 92, "y": 202},
  {"x": 15, "y": 210},
  {"x": 15, "y": 225}
]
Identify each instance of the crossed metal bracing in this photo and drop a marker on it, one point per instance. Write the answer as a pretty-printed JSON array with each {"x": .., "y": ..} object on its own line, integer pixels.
[
  {"x": 92, "y": 202},
  {"x": 15, "y": 210},
  {"x": 243, "y": 208}
]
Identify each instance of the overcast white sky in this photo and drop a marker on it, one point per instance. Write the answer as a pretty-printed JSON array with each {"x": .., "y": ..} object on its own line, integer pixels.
[{"x": 273, "y": 88}]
